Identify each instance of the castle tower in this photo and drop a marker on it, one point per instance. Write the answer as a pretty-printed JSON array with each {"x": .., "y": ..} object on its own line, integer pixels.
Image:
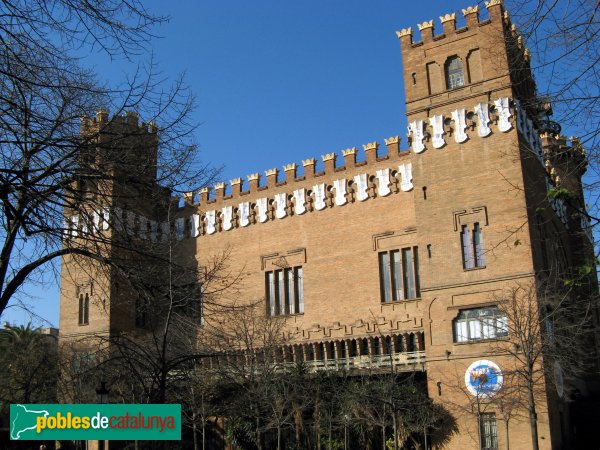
[
  {"x": 483, "y": 198},
  {"x": 114, "y": 200}
]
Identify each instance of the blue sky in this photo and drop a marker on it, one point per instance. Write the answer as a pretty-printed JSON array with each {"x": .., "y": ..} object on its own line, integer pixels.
[{"x": 277, "y": 82}]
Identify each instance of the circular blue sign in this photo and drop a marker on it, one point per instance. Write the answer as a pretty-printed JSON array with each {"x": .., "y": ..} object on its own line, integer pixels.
[{"x": 484, "y": 378}]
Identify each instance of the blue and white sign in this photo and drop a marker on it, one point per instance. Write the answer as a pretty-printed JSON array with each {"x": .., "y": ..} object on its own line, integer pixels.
[{"x": 484, "y": 378}]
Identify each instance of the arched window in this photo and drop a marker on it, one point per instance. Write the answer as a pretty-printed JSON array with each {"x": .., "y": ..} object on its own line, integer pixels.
[
  {"x": 84, "y": 309},
  {"x": 454, "y": 73}
]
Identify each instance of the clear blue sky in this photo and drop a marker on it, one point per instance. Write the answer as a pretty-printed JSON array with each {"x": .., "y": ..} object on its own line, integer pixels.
[{"x": 278, "y": 81}]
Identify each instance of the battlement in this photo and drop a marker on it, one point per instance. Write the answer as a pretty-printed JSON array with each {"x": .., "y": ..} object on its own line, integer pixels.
[
  {"x": 128, "y": 122},
  {"x": 238, "y": 189},
  {"x": 427, "y": 28}
]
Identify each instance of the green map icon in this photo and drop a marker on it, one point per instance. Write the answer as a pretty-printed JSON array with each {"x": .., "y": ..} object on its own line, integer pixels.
[{"x": 23, "y": 420}]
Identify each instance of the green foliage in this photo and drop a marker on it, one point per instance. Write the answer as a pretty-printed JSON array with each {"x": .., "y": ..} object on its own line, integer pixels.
[
  {"x": 559, "y": 192},
  {"x": 28, "y": 364}
]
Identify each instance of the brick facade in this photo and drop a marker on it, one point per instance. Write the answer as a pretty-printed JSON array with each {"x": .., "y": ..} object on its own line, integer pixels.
[{"x": 483, "y": 167}]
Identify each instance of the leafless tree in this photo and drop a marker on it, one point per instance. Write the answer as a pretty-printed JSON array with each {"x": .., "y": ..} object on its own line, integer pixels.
[{"x": 47, "y": 157}]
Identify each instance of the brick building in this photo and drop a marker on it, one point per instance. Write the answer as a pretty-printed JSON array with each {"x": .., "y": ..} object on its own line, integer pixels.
[{"x": 404, "y": 257}]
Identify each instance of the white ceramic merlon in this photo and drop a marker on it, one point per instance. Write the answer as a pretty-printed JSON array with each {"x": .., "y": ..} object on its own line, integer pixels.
[
  {"x": 165, "y": 231},
  {"x": 460, "y": 125},
  {"x": 244, "y": 211},
  {"x": 300, "y": 201},
  {"x": 340, "y": 192},
  {"x": 416, "y": 129},
  {"x": 483, "y": 115},
  {"x": 437, "y": 123},
  {"x": 179, "y": 228},
  {"x": 406, "y": 174},
  {"x": 153, "y": 230},
  {"x": 227, "y": 212},
  {"x": 143, "y": 227},
  {"x": 263, "y": 205},
  {"x": 280, "y": 204},
  {"x": 195, "y": 222},
  {"x": 383, "y": 176},
  {"x": 118, "y": 219},
  {"x": 319, "y": 191},
  {"x": 360, "y": 181},
  {"x": 211, "y": 222},
  {"x": 130, "y": 225},
  {"x": 106, "y": 218},
  {"x": 502, "y": 106}
]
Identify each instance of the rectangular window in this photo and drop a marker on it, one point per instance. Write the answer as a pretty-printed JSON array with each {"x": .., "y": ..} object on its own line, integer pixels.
[
  {"x": 284, "y": 291},
  {"x": 399, "y": 274},
  {"x": 479, "y": 324},
  {"x": 84, "y": 309},
  {"x": 488, "y": 431},
  {"x": 473, "y": 253}
]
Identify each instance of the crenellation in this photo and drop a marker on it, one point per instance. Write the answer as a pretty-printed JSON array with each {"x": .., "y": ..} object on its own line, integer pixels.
[
  {"x": 271, "y": 175},
  {"x": 393, "y": 145},
  {"x": 204, "y": 195},
  {"x": 219, "y": 191},
  {"x": 290, "y": 172},
  {"x": 236, "y": 187},
  {"x": 329, "y": 162},
  {"x": 449, "y": 23},
  {"x": 309, "y": 167},
  {"x": 406, "y": 37},
  {"x": 253, "y": 181},
  {"x": 349, "y": 157},
  {"x": 371, "y": 151},
  {"x": 426, "y": 29},
  {"x": 471, "y": 16}
]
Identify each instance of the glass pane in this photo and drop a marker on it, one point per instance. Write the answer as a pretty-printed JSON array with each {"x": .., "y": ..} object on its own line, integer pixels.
[
  {"x": 460, "y": 328},
  {"x": 489, "y": 328},
  {"x": 281, "y": 291},
  {"x": 271, "y": 292},
  {"x": 502, "y": 326},
  {"x": 474, "y": 329},
  {"x": 478, "y": 244},
  {"x": 467, "y": 248},
  {"x": 291, "y": 294},
  {"x": 416, "y": 268},
  {"x": 397, "y": 291},
  {"x": 409, "y": 274},
  {"x": 384, "y": 277},
  {"x": 299, "y": 289}
]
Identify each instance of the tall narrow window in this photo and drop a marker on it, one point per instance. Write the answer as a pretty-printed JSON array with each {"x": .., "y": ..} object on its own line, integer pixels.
[
  {"x": 84, "y": 309},
  {"x": 399, "y": 274},
  {"x": 284, "y": 291},
  {"x": 473, "y": 252},
  {"x": 488, "y": 431},
  {"x": 454, "y": 73}
]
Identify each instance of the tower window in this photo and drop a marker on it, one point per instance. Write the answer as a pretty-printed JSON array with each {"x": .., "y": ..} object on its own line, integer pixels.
[
  {"x": 285, "y": 291},
  {"x": 399, "y": 274},
  {"x": 455, "y": 77},
  {"x": 472, "y": 247},
  {"x": 84, "y": 309}
]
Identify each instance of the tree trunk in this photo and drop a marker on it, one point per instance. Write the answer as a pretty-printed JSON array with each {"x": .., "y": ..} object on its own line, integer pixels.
[
  {"x": 278, "y": 437},
  {"x": 194, "y": 430},
  {"x": 383, "y": 446},
  {"x": 532, "y": 416},
  {"x": 506, "y": 435}
]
